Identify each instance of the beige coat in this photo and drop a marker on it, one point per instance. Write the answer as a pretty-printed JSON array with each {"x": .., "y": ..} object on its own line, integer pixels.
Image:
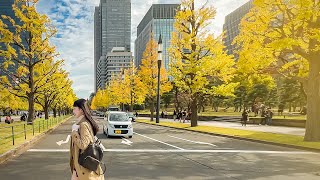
[{"x": 79, "y": 142}]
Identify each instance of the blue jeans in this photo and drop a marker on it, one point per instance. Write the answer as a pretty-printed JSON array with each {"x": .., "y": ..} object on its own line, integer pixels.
[{"x": 269, "y": 120}]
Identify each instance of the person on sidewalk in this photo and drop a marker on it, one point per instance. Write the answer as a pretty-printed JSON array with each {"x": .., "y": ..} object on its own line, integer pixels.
[
  {"x": 184, "y": 115},
  {"x": 189, "y": 116},
  {"x": 269, "y": 115},
  {"x": 180, "y": 115},
  {"x": 263, "y": 117},
  {"x": 245, "y": 117},
  {"x": 82, "y": 135},
  {"x": 174, "y": 115},
  {"x": 162, "y": 114}
]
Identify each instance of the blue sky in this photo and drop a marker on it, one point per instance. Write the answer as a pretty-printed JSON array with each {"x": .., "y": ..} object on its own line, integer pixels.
[{"x": 74, "y": 41}]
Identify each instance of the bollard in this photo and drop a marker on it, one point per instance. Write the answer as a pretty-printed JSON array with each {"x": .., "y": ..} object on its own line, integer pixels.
[
  {"x": 12, "y": 135},
  {"x": 33, "y": 129},
  {"x": 25, "y": 132}
]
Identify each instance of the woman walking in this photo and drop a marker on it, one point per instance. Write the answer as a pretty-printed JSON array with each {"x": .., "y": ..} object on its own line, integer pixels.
[
  {"x": 82, "y": 135},
  {"x": 245, "y": 117}
]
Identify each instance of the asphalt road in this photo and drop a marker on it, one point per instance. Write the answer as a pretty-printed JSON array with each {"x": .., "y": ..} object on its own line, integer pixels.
[{"x": 164, "y": 153}]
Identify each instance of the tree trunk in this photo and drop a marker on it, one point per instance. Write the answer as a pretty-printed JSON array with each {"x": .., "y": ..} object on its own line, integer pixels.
[
  {"x": 177, "y": 103},
  {"x": 313, "y": 100},
  {"x": 46, "y": 110},
  {"x": 194, "y": 115},
  {"x": 54, "y": 112},
  {"x": 31, "y": 97},
  {"x": 289, "y": 107},
  {"x": 131, "y": 101}
]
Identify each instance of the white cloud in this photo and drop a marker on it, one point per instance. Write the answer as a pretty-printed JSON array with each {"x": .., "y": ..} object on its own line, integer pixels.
[{"x": 74, "y": 21}]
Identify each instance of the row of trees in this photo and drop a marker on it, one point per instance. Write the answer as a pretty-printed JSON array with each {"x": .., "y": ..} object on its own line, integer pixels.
[
  {"x": 278, "y": 48},
  {"x": 134, "y": 86},
  {"x": 32, "y": 77}
]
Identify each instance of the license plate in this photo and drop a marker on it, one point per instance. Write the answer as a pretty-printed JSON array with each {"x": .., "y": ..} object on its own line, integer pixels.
[{"x": 118, "y": 131}]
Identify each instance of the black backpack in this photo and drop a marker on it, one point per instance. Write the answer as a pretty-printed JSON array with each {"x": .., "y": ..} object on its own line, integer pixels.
[{"x": 92, "y": 156}]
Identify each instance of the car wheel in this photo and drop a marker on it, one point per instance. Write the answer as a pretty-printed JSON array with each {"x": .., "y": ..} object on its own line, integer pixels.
[{"x": 130, "y": 137}]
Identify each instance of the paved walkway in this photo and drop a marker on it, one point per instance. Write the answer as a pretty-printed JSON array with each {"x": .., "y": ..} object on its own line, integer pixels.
[{"x": 262, "y": 128}]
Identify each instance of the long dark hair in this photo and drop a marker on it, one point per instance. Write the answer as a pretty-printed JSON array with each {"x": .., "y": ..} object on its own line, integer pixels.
[{"x": 82, "y": 104}]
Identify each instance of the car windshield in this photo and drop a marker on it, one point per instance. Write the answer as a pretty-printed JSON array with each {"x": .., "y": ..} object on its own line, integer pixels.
[{"x": 118, "y": 117}]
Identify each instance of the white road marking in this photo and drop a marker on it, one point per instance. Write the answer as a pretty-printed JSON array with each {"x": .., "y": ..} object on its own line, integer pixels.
[
  {"x": 185, "y": 151},
  {"x": 159, "y": 141},
  {"x": 197, "y": 142},
  {"x": 63, "y": 142},
  {"x": 126, "y": 141},
  {"x": 102, "y": 146}
]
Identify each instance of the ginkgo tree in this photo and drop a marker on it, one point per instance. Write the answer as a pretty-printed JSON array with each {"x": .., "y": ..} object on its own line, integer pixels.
[
  {"x": 55, "y": 82},
  {"x": 24, "y": 48},
  {"x": 135, "y": 89},
  {"x": 198, "y": 57},
  {"x": 283, "y": 37},
  {"x": 148, "y": 74}
]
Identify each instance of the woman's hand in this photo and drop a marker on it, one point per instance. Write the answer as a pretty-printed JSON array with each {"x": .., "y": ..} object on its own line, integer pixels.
[{"x": 75, "y": 127}]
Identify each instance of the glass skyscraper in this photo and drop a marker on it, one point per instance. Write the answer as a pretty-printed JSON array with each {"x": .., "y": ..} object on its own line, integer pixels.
[
  {"x": 112, "y": 28},
  {"x": 231, "y": 27},
  {"x": 6, "y": 9},
  {"x": 158, "y": 20}
]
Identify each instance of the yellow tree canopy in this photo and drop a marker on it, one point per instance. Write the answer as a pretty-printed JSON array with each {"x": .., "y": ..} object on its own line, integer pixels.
[
  {"x": 283, "y": 37},
  {"x": 148, "y": 72}
]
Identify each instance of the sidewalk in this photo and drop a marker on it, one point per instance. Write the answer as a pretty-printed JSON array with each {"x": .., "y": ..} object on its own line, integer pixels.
[{"x": 261, "y": 128}]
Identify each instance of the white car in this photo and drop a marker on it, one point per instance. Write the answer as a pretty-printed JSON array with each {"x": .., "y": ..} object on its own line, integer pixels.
[{"x": 117, "y": 123}]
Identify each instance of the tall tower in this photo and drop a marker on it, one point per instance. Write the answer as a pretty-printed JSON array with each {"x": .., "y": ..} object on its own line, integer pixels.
[
  {"x": 158, "y": 20},
  {"x": 112, "y": 29}
]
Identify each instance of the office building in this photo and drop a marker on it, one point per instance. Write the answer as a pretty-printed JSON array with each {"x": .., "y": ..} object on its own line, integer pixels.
[
  {"x": 116, "y": 61},
  {"x": 112, "y": 28},
  {"x": 231, "y": 26},
  {"x": 158, "y": 19}
]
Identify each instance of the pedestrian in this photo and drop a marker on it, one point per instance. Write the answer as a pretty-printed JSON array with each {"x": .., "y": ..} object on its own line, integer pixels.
[
  {"x": 189, "y": 116},
  {"x": 263, "y": 117},
  {"x": 82, "y": 135},
  {"x": 8, "y": 119},
  {"x": 174, "y": 115},
  {"x": 269, "y": 115},
  {"x": 162, "y": 114},
  {"x": 184, "y": 115},
  {"x": 245, "y": 118},
  {"x": 136, "y": 114},
  {"x": 180, "y": 115}
]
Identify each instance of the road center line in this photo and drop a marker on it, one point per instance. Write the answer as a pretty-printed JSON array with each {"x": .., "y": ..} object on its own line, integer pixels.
[
  {"x": 159, "y": 141},
  {"x": 197, "y": 142},
  {"x": 185, "y": 151}
]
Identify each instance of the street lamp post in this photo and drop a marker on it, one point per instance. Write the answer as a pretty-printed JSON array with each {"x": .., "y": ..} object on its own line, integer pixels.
[{"x": 159, "y": 66}]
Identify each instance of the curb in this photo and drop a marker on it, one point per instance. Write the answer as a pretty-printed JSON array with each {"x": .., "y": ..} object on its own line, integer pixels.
[
  {"x": 16, "y": 152},
  {"x": 242, "y": 138}
]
